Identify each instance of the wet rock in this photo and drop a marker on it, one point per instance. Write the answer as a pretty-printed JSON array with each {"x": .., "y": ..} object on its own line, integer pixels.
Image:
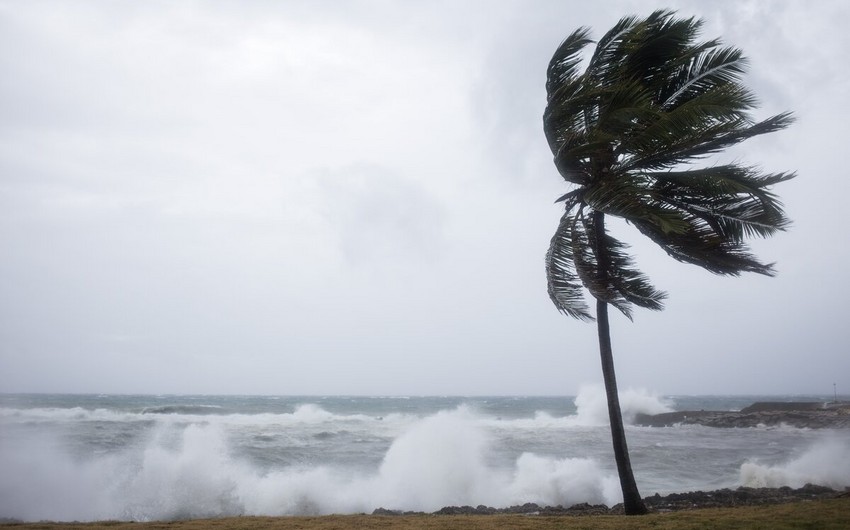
[
  {"x": 742, "y": 496},
  {"x": 588, "y": 509},
  {"x": 528, "y": 508},
  {"x": 455, "y": 510},
  {"x": 810, "y": 415},
  {"x": 658, "y": 503},
  {"x": 691, "y": 500}
]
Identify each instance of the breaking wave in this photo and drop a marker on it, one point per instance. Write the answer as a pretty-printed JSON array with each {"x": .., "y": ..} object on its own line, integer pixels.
[
  {"x": 443, "y": 459},
  {"x": 592, "y": 405},
  {"x": 174, "y": 463},
  {"x": 826, "y": 463}
]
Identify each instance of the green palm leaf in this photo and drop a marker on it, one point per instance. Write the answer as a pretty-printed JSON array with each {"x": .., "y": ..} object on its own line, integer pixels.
[
  {"x": 565, "y": 288},
  {"x": 626, "y": 131}
]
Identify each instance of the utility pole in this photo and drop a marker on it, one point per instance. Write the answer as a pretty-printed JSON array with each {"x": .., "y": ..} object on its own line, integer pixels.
[{"x": 835, "y": 391}]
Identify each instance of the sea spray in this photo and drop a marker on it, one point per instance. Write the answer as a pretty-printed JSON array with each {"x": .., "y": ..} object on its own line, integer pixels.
[
  {"x": 592, "y": 405},
  {"x": 826, "y": 463},
  {"x": 189, "y": 470},
  {"x": 563, "y": 482},
  {"x": 438, "y": 462},
  {"x": 443, "y": 460},
  {"x": 256, "y": 456},
  {"x": 195, "y": 478},
  {"x": 39, "y": 480}
]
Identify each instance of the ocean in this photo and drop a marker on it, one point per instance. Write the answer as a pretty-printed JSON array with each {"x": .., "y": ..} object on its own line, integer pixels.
[{"x": 165, "y": 457}]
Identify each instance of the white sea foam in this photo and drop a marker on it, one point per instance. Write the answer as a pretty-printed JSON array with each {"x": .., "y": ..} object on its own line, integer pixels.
[
  {"x": 439, "y": 461},
  {"x": 591, "y": 410},
  {"x": 592, "y": 405},
  {"x": 84, "y": 464},
  {"x": 564, "y": 481},
  {"x": 307, "y": 413},
  {"x": 825, "y": 463},
  {"x": 444, "y": 459},
  {"x": 39, "y": 415}
]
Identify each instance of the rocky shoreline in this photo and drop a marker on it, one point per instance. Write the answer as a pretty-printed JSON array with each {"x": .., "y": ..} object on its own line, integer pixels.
[
  {"x": 656, "y": 503},
  {"x": 810, "y": 415}
]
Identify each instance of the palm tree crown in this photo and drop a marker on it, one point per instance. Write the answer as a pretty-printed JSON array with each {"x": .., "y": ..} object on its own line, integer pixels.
[
  {"x": 651, "y": 101},
  {"x": 626, "y": 132}
]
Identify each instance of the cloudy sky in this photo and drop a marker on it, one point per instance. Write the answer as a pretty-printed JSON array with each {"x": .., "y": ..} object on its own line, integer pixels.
[{"x": 356, "y": 198}]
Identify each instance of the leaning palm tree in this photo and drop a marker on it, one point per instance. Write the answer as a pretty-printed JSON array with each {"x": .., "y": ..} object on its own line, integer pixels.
[{"x": 626, "y": 132}]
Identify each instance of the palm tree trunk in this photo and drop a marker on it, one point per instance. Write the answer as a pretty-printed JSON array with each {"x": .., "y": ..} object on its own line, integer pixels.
[{"x": 632, "y": 501}]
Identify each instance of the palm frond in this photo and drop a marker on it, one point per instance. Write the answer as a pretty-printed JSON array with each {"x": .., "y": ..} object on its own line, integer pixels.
[
  {"x": 711, "y": 69},
  {"x": 631, "y": 198},
  {"x": 688, "y": 131},
  {"x": 656, "y": 47},
  {"x": 570, "y": 198},
  {"x": 619, "y": 282},
  {"x": 609, "y": 53},
  {"x": 585, "y": 259},
  {"x": 563, "y": 67},
  {"x": 652, "y": 101},
  {"x": 724, "y": 137},
  {"x": 734, "y": 200},
  {"x": 706, "y": 248},
  {"x": 565, "y": 288}
]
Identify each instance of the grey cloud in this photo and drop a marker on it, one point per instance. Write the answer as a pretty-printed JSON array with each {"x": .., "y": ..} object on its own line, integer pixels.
[
  {"x": 378, "y": 214},
  {"x": 248, "y": 194}
]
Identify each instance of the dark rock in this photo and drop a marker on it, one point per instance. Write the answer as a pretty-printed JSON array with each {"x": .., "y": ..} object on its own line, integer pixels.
[
  {"x": 668, "y": 419},
  {"x": 740, "y": 497},
  {"x": 776, "y": 406},
  {"x": 587, "y": 509},
  {"x": 813, "y": 489},
  {"x": 527, "y": 508},
  {"x": 455, "y": 510},
  {"x": 816, "y": 416},
  {"x": 466, "y": 510},
  {"x": 726, "y": 497}
]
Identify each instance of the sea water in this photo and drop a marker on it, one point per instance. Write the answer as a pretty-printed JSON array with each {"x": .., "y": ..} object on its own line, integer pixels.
[{"x": 95, "y": 457}]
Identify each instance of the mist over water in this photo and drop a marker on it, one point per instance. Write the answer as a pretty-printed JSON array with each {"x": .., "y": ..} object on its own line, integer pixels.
[{"x": 148, "y": 458}]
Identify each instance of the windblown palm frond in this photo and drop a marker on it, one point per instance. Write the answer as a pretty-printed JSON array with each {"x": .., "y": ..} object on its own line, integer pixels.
[
  {"x": 565, "y": 288},
  {"x": 626, "y": 131}
]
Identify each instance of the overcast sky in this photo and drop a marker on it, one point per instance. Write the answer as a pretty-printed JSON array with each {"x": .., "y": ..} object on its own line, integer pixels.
[{"x": 356, "y": 198}]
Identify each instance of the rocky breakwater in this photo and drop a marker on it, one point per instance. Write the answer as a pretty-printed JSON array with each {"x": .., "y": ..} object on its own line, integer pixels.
[
  {"x": 811, "y": 415},
  {"x": 656, "y": 503}
]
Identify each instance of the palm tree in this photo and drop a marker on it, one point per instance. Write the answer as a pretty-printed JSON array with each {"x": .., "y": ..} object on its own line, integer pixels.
[{"x": 626, "y": 132}]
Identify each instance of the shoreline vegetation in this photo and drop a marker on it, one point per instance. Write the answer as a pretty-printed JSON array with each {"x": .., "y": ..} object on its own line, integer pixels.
[{"x": 811, "y": 506}]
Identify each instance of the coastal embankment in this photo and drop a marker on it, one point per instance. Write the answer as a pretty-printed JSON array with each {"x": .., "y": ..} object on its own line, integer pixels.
[{"x": 802, "y": 415}]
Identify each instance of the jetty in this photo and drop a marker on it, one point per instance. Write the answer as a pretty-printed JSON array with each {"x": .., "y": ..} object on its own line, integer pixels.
[{"x": 800, "y": 414}]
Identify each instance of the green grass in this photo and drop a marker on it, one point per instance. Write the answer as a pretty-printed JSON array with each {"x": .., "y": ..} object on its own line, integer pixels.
[{"x": 832, "y": 514}]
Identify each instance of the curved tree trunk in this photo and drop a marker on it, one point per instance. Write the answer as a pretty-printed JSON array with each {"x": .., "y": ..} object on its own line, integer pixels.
[{"x": 632, "y": 501}]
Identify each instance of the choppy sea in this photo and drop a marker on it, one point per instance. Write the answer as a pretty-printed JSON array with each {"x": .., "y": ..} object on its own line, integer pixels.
[{"x": 95, "y": 457}]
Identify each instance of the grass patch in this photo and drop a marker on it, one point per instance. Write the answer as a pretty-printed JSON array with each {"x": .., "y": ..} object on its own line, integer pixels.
[{"x": 831, "y": 514}]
